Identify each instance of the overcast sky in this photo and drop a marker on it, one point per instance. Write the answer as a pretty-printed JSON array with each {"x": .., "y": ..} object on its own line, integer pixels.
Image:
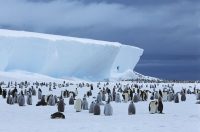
[{"x": 167, "y": 30}]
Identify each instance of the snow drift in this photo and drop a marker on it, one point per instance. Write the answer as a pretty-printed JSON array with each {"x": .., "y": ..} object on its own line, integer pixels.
[{"x": 60, "y": 56}]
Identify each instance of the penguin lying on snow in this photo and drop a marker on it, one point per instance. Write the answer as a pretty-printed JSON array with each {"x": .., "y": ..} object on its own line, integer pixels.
[
  {"x": 58, "y": 115},
  {"x": 198, "y": 102},
  {"x": 42, "y": 102}
]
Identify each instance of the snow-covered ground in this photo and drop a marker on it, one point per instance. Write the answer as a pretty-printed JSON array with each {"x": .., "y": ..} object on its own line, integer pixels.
[{"x": 183, "y": 117}]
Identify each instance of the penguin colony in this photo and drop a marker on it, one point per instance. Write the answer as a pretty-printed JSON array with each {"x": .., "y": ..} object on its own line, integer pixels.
[{"x": 23, "y": 92}]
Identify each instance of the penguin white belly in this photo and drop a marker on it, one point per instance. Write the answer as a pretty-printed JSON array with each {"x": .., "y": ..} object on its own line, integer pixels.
[
  {"x": 77, "y": 105},
  {"x": 153, "y": 107}
]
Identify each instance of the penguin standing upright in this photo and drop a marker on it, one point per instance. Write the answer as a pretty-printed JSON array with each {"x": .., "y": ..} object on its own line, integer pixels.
[
  {"x": 99, "y": 99},
  {"x": 76, "y": 92},
  {"x": 1, "y": 90},
  {"x": 170, "y": 97},
  {"x": 29, "y": 98},
  {"x": 85, "y": 104},
  {"x": 108, "y": 110},
  {"x": 39, "y": 93},
  {"x": 189, "y": 91},
  {"x": 198, "y": 96},
  {"x": 15, "y": 98},
  {"x": 91, "y": 110},
  {"x": 113, "y": 95},
  {"x": 33, "y": 91},
  {"x": 160, "y": 105},
  {"x": 103, "y": 96},
  {"x": 142, "y": 95},
  {"x": 21, "y": 100},
  {"x": 118, "y": 99},
  {"x": 10, "y": 100},
  {"x": 51, "y": 100},
  {"x": 97, "y": 109},
  {"x": 136, "y": 98},
  {"x": 61, "y": 105},
  {"x": 65, "y": 94},
  {"x": 55, "y": 98},
  {"x": 183, "y": 96},
  {"x": 91, "y": 87},
  {"x": 131, "y": 108},
  {"x": 131, "y": 94},
  {"x": 176, "y": 98},
  {"x": 145, "y": 96},
  {"x": 4, "y": 93},
  {"x": 71, "y": 100},
  {"x": 110, "y": 97},
  {"x": 78, "y": 105},
  {"x": 153, "y": 107}
]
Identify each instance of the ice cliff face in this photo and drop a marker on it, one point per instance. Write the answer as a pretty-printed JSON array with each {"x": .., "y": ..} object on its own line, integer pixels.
[
  {"x": 127, "y": 58},
  {"x": 60, "y": 56}
]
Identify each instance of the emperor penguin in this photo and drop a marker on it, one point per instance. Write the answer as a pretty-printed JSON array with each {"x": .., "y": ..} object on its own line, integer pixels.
[{"x": 153, "y": 107}]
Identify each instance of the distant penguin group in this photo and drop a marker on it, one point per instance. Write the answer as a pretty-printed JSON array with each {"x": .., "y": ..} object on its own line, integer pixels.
[{"x": 132, "y": 94}]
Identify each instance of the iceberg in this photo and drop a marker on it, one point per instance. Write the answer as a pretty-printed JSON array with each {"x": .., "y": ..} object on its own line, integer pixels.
[{"x": 62, "y": 56}]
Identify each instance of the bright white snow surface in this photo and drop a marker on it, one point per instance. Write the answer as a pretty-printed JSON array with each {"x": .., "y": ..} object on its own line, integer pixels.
[
  {"x": 60, "y": 56},
  {"x": 181, "y": 117}
]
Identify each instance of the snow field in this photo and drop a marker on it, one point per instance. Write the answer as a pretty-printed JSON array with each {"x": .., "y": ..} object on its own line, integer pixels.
[{"x": 184, "y": 116}]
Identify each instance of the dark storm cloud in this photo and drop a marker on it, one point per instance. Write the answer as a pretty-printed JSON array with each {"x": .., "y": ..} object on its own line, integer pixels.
[{"x": 167, "y": 30}]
